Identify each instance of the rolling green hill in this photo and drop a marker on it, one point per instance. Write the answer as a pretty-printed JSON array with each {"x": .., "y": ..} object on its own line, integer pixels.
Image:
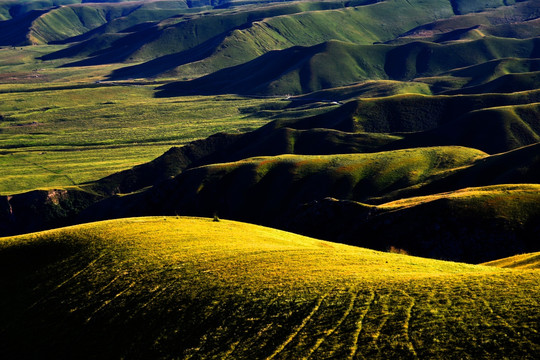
[
  {"x": 181, "y": 287},
  {"x": 299, "y": 70},
  {"x": 504, "y": 21},
  {"x": 71, "y": 20},
  {"x": 59, "y": 22},
  {"x": 359, "y": 25},
  {"x": 494, "y": 130},
  {"x": 227, "y": 39},
  {"x": 520, "y": 166},
  {"x": 10, "y": 9},
  {"x": 406, "y": 113},
  {"x": 406, "y": 127}
]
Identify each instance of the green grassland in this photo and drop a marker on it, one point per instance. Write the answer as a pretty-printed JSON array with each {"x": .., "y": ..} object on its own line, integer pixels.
[
  {"x": 184, "y": 287},
  {"x": 414, "y": 132},
  {"x": 61, "y": 126},
  {"x": 299, "y": 70},
  {"x": 86, "y": 133},
  {"x": 358, "y": 25}
]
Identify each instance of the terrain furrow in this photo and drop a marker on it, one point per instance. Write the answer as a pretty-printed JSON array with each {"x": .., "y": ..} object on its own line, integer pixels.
[
  {"x": 332, "y": 330},
  {"x": 232, "y": 348},
  {"x": 406, "y": 324},
  {"x": 249, "y": 337},
  {"x": 107, "y": 302},
  {"x": 500, "y": 318},
  {"x": 505, "y": 323},
  {"x": 63, "y": 283},
  {"x": 298, "y": 328},
  {"x": 154, "y": 297},
  {"x": 105, "y": 287},
  {"x": 359, "y": 325},
  {"x": 377, "y": 332}
]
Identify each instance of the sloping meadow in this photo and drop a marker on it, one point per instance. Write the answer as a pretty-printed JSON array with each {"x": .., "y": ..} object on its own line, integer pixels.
[{"x": 183, "y": 287}]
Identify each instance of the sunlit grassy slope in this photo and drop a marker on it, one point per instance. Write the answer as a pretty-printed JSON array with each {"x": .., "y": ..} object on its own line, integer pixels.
[
  {"x": 226, "y": 38},
  {"x": 239, "y": 189},
  {"x": 523, "y": 261},
  {"x": 167, "y": 287},
  {"x": 299, "y": 70}
]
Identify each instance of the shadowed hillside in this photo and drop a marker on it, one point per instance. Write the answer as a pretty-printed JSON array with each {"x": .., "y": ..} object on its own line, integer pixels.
[
  {"x": 493, "y": 130},
  {"x": 473, "y": 225},
  {"x": 299, "y": 70},
  {"x": 236, "y": 190},
  {"x": 271, "y": 191},
  {"x": 178, "y": 287},
  {"x": 410, "y": 112},
  {"x": 411, "y": 108}
]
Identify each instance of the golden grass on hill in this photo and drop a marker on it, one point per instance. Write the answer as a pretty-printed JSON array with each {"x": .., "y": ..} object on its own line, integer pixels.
[
  {"x": 523, "y": 261},
  {"x": 169, "y": 287},
  {"x": 506, "y": 193}
]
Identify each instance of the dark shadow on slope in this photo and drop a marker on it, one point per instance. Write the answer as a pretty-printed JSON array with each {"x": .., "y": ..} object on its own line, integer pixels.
[
  {"x": 166, "y": 63},
  {"x": 508, "y": 83},
  {"x": 464, "y": 230},
  {"x": 14, "y": 32},
  {"x": 84, "y": 48},
  {"x": 121, "y": 49},
  {"x": 405, "y": 113},
  {"x": 250, "y": 78},
  {"x": 494, "y": 130}
]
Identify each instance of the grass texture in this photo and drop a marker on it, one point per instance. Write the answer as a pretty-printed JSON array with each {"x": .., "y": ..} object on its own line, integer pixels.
[
  {"x": 56, "y": 136},
  {"x": 181, "y": 287}
]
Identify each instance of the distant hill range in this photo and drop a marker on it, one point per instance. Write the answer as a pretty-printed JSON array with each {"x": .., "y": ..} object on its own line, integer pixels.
[
  {"x": 431, "y": 143},
  {"x": 339, "y": 181}
]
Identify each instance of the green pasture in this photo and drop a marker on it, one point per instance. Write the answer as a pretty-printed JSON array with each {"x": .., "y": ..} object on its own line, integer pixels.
[{"x": 57, "y": 136}]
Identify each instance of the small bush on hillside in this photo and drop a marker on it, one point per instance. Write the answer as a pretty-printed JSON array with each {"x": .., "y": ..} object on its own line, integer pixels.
[{"x": 396, "y": 250}]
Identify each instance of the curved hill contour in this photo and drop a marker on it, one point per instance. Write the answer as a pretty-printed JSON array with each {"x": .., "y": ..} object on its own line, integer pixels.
[
  {"x": 177, "y": 287},
  {"x": 301, "y": 69},
  {"x": 523, "y": 261}
]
